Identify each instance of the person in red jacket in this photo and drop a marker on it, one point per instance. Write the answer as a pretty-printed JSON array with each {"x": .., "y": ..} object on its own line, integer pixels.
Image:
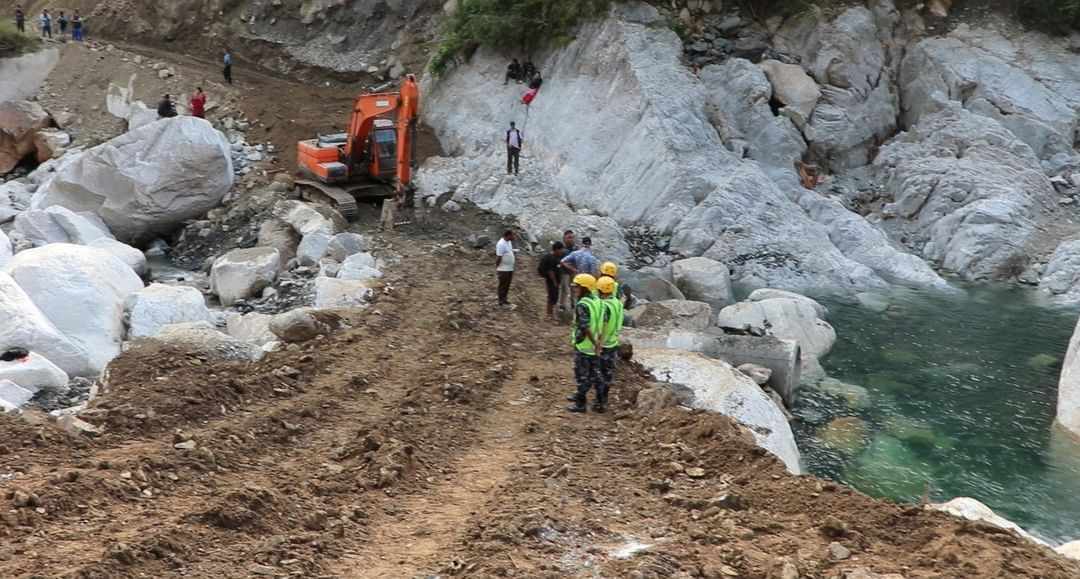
[{"x": 198, "y": 103}]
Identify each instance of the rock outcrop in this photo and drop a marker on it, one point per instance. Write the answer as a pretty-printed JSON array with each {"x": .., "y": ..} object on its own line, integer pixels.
[
  {"x": 628, "y": 139},
  {"x": 145, "y": 182},
  {"x": 719, "y": 387},
  {"x": 20, "y": 122}
]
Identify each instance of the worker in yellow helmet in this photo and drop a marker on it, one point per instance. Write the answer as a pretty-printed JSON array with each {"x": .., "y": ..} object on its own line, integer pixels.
[
  {"x": 609, "y": 269},
  {"x": 585, "y": 336},
  {"x": 611, "y": 327}
]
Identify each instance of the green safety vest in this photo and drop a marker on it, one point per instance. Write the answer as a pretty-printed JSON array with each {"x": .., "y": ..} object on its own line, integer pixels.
[
  {"x": 613, "y": 321},
  {"x": 596, "y": 324}
]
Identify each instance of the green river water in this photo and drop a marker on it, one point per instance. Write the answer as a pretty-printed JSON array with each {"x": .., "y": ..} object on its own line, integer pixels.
[{"x": 954, "y": 396}]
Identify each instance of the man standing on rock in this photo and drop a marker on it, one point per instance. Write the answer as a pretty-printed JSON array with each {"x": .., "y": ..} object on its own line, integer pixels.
[
  {"x": 20, "y": 19},
  {"x": 504, "y": 265},
  {"x": 227, "y": 71},
  {"x": 551, "y": 272},
  {"x": 586, "y": 339},
  {"x": 513, "y": 149},
  {"x": 611, "y": 327},
  {"x": 198, "y": 103}
]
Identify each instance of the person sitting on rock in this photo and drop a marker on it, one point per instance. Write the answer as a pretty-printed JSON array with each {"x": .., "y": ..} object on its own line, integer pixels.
[
  {"x": 513, "y": 72},
  {"x": 528, "y": 70},
  {"x": 166, "y": 109},
  {"x": 536, "y": 81}
]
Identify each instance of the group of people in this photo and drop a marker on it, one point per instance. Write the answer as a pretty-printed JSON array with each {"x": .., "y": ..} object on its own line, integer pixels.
[
  {"x": 167, "y": 107},
  {"x": 523, "y": 73},
  {"x": 46, "y": 22},
  {"x": 577, "y": 281}
]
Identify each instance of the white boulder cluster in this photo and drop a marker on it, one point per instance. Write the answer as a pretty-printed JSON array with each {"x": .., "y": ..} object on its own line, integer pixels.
[{"x": 72, "y": 289}]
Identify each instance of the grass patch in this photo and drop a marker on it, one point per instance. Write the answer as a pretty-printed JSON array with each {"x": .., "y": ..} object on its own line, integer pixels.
[
  {"x": 13, "y": 42},
  {"x": 513, "y": 25}
]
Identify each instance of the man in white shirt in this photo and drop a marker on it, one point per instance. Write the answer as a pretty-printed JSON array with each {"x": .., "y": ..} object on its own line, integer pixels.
[
  {"x": 513, "y": 149},
  {"x": 504, "y": 265}
]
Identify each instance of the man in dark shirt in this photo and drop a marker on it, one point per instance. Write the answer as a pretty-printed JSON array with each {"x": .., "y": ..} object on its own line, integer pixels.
[
  {"x": 513, "y": 72},
  {"x": 569, "y": 246},
  {"x": 20, "y": 19},
  {"x": 549, "y": 270},
  {"x": 166, "y": 109}
]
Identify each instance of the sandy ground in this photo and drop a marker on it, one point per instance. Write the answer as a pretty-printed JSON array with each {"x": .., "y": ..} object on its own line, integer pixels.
[{"x": 430, "y": 439}]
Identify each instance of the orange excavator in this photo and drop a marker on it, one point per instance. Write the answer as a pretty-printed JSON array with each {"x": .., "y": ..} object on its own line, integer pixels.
[{"x": 373, "y": 159}]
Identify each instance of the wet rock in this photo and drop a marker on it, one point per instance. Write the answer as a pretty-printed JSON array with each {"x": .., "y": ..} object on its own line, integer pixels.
[
  {"x": 847, "y": 435},
  {"x": 856, "y": 397}
]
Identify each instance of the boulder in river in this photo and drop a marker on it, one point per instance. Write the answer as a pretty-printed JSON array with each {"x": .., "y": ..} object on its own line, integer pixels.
[
  {"x": 146, "y": 182},
  {"x": 786, "y": 318},
  {"x": 1068, "y": 402}
]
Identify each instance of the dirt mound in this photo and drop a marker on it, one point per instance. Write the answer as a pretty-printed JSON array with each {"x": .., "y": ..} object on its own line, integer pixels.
[{"x": 430, "y": 438}]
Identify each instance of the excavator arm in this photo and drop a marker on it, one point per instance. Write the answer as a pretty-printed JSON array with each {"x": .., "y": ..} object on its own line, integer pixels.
[{"x": 408, "y": 116}]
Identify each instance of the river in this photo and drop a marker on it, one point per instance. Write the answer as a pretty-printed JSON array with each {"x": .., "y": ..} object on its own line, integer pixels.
[{"x": 949, "y": 396}]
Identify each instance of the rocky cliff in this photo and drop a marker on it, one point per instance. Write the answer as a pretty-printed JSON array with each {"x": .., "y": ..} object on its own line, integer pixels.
[{"x": 949, "y": 152}]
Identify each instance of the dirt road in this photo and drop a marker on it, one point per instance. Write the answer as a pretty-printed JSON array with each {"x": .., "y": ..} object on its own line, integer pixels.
[{"x": 429, "y": 439}]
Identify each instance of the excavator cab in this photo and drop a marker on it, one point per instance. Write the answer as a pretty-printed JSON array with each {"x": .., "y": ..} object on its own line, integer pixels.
[{"x": 373, "y": 158}]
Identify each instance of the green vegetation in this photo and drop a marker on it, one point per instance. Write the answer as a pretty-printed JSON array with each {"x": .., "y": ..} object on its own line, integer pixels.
[
  {"x": 1053, "y": 15},
  {"x": 513, "y": 25},
  {"x": 13, "y": 42}
]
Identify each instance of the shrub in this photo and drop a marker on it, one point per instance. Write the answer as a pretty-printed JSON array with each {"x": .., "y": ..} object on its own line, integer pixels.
[
  {"x": 521, "y": 25},
  {"x": 1053, "y": 15},
  {"x": 13, "y": 42}
]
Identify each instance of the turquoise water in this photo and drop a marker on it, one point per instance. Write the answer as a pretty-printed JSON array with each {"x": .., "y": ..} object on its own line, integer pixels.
[{"x": 949, "y": 397}]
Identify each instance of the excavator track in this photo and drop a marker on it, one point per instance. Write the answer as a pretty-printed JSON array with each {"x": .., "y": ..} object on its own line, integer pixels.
[{"x": 343, "y": 198}]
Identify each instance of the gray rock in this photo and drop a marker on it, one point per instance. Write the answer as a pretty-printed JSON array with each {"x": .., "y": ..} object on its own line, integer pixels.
[
  {"x": 672, "y": 314},
  {"x": 759, "y": 374},
  {"x": 769, "y": 293},
  {"x": 253, "y": 328},
  {"x": 343, "y": 245},
  {"x": 152, "y": 308},
  {"x": 203, "y": 338},
  {"x": 705, "y": 280},
  {"x": 281, "y": 236},
  {"x": 794, "y": 88},
  {"x": 312, "y": 248},
  {"x": 243, "y": 273}
]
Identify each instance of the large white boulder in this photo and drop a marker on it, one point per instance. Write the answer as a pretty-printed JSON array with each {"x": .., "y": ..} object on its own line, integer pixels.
[
  {"x": 81, "y": 290},
  {"x": 243, "y": 273},
  {"x": 134, "y": 258},
  {"x": 13, "y": 396},
  {"x": 60, "y": 225},
  {"x": 26, "y": 327},
  {"x": 704, "y": 280},
  {"x": 719, "y": 387},
  {"x": 34, "y": 373},
  {"x": 203, "y": 338},
  {"x": 152, "y": 308},
  {"x": 145, "y": 182},
  {"x": 1068, "y": 402},
  {"x": 973, "y": 510},
  {"x": 763, "y": 294},
  {"x": 342, "y": 293},
  {"x": 793, "y": 88},
  {"x": 5, "y": 249},
  {"x": 789, "y": 319}
]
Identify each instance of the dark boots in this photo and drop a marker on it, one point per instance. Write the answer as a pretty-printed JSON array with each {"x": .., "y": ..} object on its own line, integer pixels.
[{"x": 577, "y": 407}]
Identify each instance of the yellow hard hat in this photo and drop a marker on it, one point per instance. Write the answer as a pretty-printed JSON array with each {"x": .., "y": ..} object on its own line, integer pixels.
[
  {"x": 586, "y": 281},
  {"x": 609, "y": 268},
  {"x": 605, "y": 285}
]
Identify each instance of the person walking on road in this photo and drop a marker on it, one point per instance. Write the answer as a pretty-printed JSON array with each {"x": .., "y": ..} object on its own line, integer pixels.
[
  {"x": 46, "y": 24},
  {"x": 551, "y": 272},
  {"x": 566, "y": 302},
  {"x": 611, "y": 328},
  {"x": 76, "y": 27},
  {"x": 198, "y": 103},
  {"x": 586, "y": 340},
  {"x": 513, "y": 149},
  {"x": 582, "y": 260},
  {"x": 504, "y": 265},
  {"x": 227, "y": 70}
]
